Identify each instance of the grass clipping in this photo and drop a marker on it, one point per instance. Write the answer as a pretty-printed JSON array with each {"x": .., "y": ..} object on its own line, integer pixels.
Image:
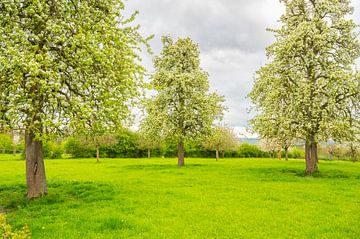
[{"x": 7, "y": 232}]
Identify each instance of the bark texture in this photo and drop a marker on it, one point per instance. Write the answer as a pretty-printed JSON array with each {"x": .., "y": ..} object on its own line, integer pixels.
[
  {"x": 311, "y": 148},
  {"x": 35, "y": 168},
  {"x": 181, "y": 154},
  {"x": 279, "y": 155}
]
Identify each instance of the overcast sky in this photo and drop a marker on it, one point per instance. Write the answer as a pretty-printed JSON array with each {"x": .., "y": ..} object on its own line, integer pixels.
[{"x": 231, "y": 35}]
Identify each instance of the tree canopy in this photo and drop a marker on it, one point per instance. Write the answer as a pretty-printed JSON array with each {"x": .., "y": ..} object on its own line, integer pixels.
[
  {"x": 63, "y": 63},
  {"x": 310, "y": 81},
  {"x": 221, "y": 139},
  {"x": 183, "y": 108}
]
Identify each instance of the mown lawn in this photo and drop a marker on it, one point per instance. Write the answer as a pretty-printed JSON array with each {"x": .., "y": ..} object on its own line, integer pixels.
[{"x": 233, "y": 198}]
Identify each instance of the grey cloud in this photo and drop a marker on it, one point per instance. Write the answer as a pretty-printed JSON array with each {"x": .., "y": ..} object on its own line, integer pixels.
[
  {"x": 223, "y": 24},
  {"x": 231, "y": 35}
]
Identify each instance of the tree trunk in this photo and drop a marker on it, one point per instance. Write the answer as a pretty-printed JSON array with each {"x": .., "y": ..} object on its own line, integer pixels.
[
  {"x": 279, "y": 154},
  {"x": 217, "y": 155},
  {"x": 97, "y": 154},
  {"x": 223, "y": 154},
  {"x": 149, "y": 153},
  {"x": 315, "y": 157},
  {"x": 287, "y": 154},
  {"x": 307, "y": 155},
  {"x": 35, "y": 168},
  {"x": 353, "y": 152},
  {"x": 311, "y": 157},
  {"x": 181, "y": 161},
  {"x": 13, "y": 139}
]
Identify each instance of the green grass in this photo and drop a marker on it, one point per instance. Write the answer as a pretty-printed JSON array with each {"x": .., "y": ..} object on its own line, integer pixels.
[
  {"x": 10, "y": 157},
  {"x": 234, "y": 198}
]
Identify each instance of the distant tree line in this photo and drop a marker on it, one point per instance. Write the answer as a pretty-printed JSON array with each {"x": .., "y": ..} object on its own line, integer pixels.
[
  {"x": 127, "y": 145},
  {"x": 130, "y": 144}
]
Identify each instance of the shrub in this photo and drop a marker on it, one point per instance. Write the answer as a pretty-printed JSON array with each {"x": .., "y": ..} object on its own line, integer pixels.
[
  {"x": 7, "y": 232},
  {"x": 125, "y": 147},
  {"x": 56, "y": 150},
  {"x": 250, "y": 151},
  {"x": 52, "y": 150},
  {"x": 296, "y": 153},
  {"x": 5, "y": 143},
  {"x": 77, "y": 149}
]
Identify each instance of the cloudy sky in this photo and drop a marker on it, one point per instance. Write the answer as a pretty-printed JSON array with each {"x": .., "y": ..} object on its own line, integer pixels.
[{"x": 231, "y": 35}]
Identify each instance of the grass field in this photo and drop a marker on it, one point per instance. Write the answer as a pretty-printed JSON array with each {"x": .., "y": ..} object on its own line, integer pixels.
[
  {"x": 10, "y": 157},
  {"x": 140, "y": 198}
]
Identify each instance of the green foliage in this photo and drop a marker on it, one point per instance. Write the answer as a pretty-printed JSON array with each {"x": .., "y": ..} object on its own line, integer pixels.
[
  {"x": 6, "y": 143},
  {"x": 65, "y": 63},
  {"x": 126, "y": 145},
  {"x": 221, "y": 139},
  {"x": 20, "y": 147},
  {"x": 75, "y": 147},
  {"x": 310, "y": 89},
  {"x": 233, "y": 198},
  {"x": 295, "y": 153},
  {"x": 53, "y": 150},
  {"x": 183, "y": 108},
  {"x": 169, "y": 148},
  {"x": 338, "y": 151},
  {"x": 250, "y": 151},
  {"x": 148, "y": 141},
  {"x": 7, "y": 232}
]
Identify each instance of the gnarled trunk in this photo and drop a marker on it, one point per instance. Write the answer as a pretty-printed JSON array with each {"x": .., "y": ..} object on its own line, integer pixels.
[
  {"x": 35, "y": 168},
  {"x": 181, "y": 161}
]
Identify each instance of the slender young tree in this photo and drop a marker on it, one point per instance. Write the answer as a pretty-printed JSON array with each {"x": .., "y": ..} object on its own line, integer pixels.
[
  {"x": 270, "y": 145},
  {"x": 276, "y": 130},
  {"x": 148, "y": 142},
  {"x": 311, "y": 75},
  {"x": 183, "y": 108},
  {"x": 221, "y": 139},
  {"x": 98, "y": 140},
  {"x": 60, "y": 62}
]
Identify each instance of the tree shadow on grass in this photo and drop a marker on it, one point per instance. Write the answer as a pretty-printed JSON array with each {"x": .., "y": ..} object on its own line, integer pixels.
[
  {"x": 280, "y": 174},
  {"x": 161, "y": 166},
  {"x": 12, "y": 197}
]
